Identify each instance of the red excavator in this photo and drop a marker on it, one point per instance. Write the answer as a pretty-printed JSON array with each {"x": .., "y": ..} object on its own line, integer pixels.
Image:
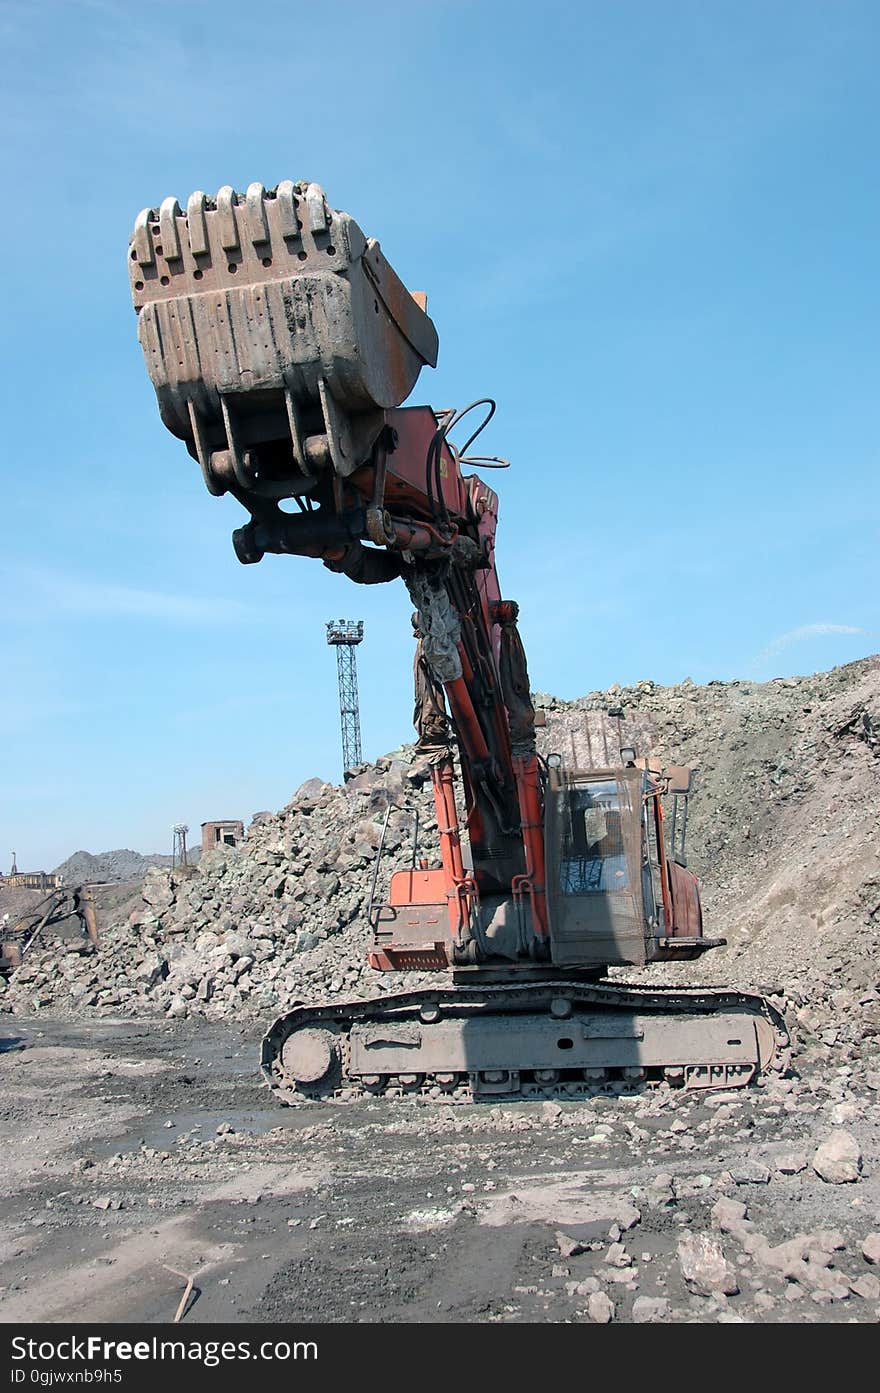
[{"x": 281, "y": 344}]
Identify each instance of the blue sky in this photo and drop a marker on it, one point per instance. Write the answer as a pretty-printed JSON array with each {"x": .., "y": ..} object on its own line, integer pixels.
[{"x": 649, "y": 230}]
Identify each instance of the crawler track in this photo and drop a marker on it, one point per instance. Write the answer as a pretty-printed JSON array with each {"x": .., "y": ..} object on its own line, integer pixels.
[{"x": 559, "y": 1039}]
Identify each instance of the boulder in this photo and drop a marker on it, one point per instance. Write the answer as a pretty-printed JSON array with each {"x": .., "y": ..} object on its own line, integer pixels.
[
  {"x": 704, "y": 1266},
  {"x": 600, "y": 1308},
  {"x": 648, "y": 1310},
  {"x": 838, "y": 1160}
]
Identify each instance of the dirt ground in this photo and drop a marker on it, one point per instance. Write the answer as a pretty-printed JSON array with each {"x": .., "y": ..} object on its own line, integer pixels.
[{"x": 135, "y": 1147}]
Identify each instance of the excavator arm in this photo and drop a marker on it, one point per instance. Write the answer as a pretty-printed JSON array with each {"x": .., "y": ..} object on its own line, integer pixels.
[{"x": 281, "y": 343}]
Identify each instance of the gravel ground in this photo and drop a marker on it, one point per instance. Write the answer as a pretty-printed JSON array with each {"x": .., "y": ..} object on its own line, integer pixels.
[{"x": 136, "y": 1148}]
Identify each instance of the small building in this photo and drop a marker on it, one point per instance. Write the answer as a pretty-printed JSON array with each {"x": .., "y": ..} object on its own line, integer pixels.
[
  {"x": 227, "y": 833},
  {"x": 30, "y": 880}
]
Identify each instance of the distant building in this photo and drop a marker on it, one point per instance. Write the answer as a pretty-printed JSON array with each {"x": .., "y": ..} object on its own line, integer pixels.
[
  {"x": 30, "y": 880},
  {"x": 227, "y": 833}
]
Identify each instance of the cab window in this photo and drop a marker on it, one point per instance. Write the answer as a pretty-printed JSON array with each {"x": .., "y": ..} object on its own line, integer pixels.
[{"x": 593, "y": 855}]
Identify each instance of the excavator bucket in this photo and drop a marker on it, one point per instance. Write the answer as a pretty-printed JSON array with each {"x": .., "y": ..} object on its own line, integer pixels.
[{"x": 275, "y": 333}]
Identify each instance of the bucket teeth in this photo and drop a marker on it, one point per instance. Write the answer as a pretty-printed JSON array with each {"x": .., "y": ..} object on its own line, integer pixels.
[
  {"x": 258, "y": 227},
  {"x": 289, "y": 222},
  {"x": 143, "y": 240},
  {"x": 317, "y": 208},
  {"x": 226, "y": 202},
  {"x": 168, "y": 215},
  {"x": 196, "y": 224}
]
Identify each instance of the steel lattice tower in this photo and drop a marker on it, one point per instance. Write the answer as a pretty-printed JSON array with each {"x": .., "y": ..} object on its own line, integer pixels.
[
  {"x": 345, "y": 635},
  {"x": 178, "y": 850}
]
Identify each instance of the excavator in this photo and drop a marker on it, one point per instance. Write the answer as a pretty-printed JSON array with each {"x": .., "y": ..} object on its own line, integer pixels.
[
  {"x": 18, "y": 936},
  {"x": 282, "y": 345}
]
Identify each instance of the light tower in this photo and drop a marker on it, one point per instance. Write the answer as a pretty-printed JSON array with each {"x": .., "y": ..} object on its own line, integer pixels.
[
  {"x": 345, "y": 635},
  {"x": 178, "y": 853}
]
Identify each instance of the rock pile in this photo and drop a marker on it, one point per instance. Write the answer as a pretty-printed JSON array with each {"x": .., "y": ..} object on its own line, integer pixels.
[
  {"x": 281, "y": 917},
  {"x": 783, "y": 833},
  {"x": 784, "y": 823},
  {"x": 120, "y": 865}
]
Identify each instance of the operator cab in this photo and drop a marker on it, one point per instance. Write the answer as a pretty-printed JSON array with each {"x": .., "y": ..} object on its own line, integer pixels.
[{"x": 618, "y": 888}]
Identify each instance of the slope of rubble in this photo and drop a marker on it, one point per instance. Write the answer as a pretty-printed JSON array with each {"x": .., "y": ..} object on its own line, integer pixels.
[
  {"x": 120, "y": 865},
  {"x": 282, "y": 915},
  {"x": 783, "y": 833},
  {"x": 784, "y": 824}
]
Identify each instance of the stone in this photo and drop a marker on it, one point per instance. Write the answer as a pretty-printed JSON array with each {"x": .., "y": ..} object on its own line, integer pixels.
[
  {"x": 617, "y": 1256},
  {"x": 153, "y": 969},
  {"x": 661, "y": 1191},
  {"x": 724, "y": 1183},
  {"x": 805, "y": 1259},
  {"x": 704, "y": 1266},
  {"x": 627, "y": 1216},
  {"x": 867, "y": 1286},
  {"x": 728, "y": 1215},
  {"x": 750, "y": 1172},
  {"x": 157, "y": 891},
  {"x": 871, "y": 1248},
  {"x": 568, "y": 1247},
  {"x": 648, "y": 1310},
  {"x": 600, "y": 1308},
  {"x": 186, "y": 966},
  {"x": 838, "y": 1161},
  {"x": 792, "y": 1163},
  {"x": 585, "y": 1288},
  {"x": 847, "y": 1111},
  {"x": 824, "y": 1296}
]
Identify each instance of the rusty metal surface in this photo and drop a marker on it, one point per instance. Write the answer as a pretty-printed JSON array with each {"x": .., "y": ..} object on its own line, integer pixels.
[
  {"x": 84, "y": 909},
  {"x": 10, "y": 954},
  {"x": 687, "y": 914}
]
